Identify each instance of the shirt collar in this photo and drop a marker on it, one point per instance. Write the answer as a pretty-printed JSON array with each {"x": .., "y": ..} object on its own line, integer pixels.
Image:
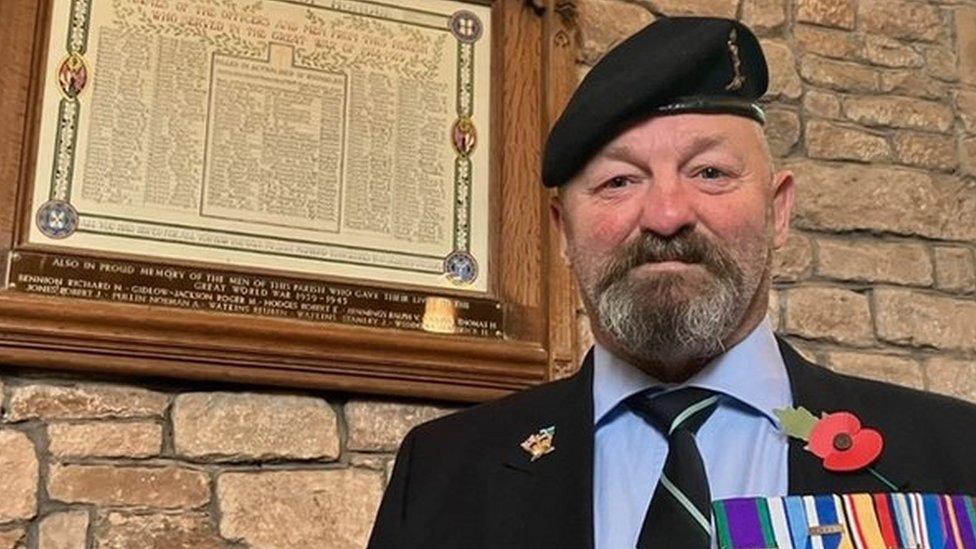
[{"x": 751, "y": 372}]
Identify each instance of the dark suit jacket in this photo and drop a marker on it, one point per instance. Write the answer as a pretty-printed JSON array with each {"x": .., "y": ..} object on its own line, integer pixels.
[{"x": 464, "y": 481}]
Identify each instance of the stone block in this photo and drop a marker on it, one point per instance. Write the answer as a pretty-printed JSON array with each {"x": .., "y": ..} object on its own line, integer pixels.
[
  {"x": 913, "y": 83},
  {"x": 955, "y": 269},
  {"x": 794, "y": 260},
  {"x": 965, "y": 18},
  {"x": 907, "y": 317},
  {"x": 838, "y": 44},
  {"x": 940, "y": 62},
  {"x": 331, "y": 508},
  {"x": 821, "y": 104},
  {"x": 900, "y": 370},
  {"x": 84, "y": 401},
  {"x": 966, "y": 107},
  {"x": 783, "y": 78},
  {"x": 605, "y": 23},
  {"x": 831, "y": 13},
  {"x": 855, "y": 197},
  {"x": 64, "y": 530},
  {"x": 888, "y": 52},
  {"x": 716, "y": 8},
  {"x": 835, "y": 142},
  {"x": 376, "y": 462},
  {"x": 167, "y": 487},
  {"x": 249, "y": 426},
  {"x": 899, "y": 112},
  {"x": 954, "y": 377},
  {"x": 763, "y": 16},
  {"x": 926, "y": 150},
  {"x": 18, "y": 476},
  {"x": 967, "y": 155},
  {"x": 901, "y": 19},
  {"x": 782, "y": 131},
  {"x": 139, "y": 439},
  {"x": 829, "y": 314},
  {"x": 872, "y": 261},
  {"x": 772, "y": 310},
  {"x": 157, "y": 531},
  {"x": 375, "y": 426},
  {"x": 12, "y": 539},
  {"x": 839, "y": 75}
]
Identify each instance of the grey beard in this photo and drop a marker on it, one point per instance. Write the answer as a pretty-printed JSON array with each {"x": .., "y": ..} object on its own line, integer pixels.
[
  {"x": 660, "y": 322},
  {"x": 673, "y": 320}
]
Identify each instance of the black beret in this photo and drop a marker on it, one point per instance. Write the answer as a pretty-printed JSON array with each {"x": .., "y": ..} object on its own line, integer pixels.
[{"x": 674, "y": 65}]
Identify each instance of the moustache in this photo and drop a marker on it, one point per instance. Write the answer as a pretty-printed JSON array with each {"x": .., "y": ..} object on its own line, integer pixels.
[{"x": 686, "y": 246}]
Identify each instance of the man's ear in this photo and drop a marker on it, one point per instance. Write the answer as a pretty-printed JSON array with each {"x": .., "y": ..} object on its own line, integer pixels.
[
  {"x": 557, "y": 214},
  {"x": 784, "y": 188}
]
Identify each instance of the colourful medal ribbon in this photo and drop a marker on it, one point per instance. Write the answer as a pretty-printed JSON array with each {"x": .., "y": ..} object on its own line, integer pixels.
[
  {"x": 883, "y": 506},
  {"x": 953, "y": 539},
  {"x": 903, "y": 519},
  {"x": 918, "y": 519},
  {"x": 781, "y": 526},
  {"x": 744, "y": 522},
  {"x": 796, "y": 516},
  {"x": 848, "y": 521},
  {"x": 934, "y": 526},
  {"x": 970, "y": 513},
  {"x": 827, "y": 515},
  {"x": 863, "y": 521}
]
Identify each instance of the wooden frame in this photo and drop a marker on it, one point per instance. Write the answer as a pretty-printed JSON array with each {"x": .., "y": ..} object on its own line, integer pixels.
[{"x": 534, "y": 74}]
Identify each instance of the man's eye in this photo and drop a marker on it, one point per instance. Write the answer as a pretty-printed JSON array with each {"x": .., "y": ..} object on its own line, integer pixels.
[
  {"x": 618, "y": 182},
  {"x": 711, "y": 172}
]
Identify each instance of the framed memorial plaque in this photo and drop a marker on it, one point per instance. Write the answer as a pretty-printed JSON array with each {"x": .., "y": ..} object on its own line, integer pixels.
[{"x": 338, "y": 194}]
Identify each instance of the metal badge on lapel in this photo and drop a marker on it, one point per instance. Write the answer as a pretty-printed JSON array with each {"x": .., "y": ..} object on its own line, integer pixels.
[{"x": 541, "y": 443}]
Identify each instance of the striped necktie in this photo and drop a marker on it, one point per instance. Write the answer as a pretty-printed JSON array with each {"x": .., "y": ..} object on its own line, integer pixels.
[{"x": 679, "y": 515}]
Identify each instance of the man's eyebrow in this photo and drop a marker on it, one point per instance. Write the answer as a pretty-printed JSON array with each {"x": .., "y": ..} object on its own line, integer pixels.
[
  {"x": 702, "y": 143},
  {"x": 617, "y": 152},
  {"x": 697, "y": 145}
]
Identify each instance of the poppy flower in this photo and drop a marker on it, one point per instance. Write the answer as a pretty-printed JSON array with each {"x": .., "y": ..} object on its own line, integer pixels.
[{"x": 843, "y": 444}]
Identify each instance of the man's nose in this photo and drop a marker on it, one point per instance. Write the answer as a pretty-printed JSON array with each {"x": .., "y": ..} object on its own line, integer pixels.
[{"x": 667, "y": 209}]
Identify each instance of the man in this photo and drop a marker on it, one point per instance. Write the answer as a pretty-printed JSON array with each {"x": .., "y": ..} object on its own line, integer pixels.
[{"x": 669, "y": 209}]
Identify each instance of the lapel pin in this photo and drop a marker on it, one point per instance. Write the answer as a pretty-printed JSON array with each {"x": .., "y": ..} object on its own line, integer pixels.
[
  {"x": 836, "y": 438},
  {"x": 540, "y": 444}
]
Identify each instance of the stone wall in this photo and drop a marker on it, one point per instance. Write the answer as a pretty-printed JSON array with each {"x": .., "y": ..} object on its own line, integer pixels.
[
  {"x": 93, "y": 464},
  {"x": 873, "y": 106}
]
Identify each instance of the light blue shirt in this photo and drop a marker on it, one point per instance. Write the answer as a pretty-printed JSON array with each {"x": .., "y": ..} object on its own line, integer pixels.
[{"x": 741, "y": 445}]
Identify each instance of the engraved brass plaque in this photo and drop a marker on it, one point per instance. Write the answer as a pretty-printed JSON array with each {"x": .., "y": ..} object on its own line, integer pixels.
[{"x": 225, "y": 291}]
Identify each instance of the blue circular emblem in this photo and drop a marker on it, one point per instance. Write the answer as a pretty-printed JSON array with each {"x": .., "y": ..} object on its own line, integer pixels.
[
  {"x": 461, "y": 268},
  {"x": 57, "y": 219}
]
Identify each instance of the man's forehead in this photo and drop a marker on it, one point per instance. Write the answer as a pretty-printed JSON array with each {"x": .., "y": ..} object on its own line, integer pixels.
[{"x": 684, "y": 132}]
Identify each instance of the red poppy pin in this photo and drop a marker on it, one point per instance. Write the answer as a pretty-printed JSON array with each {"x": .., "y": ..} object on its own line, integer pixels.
[
  {"x": 843, "y": 444},
  {"x": 838, "y": 438}
]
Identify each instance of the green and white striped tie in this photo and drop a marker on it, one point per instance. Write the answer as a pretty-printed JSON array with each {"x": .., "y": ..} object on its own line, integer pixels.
[{"x": 679, "y": 515}]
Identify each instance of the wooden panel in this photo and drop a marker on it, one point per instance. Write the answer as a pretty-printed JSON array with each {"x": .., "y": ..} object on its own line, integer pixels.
[
  {"x": 72, "y": 334},
  {"x": 561, "y": 80}
]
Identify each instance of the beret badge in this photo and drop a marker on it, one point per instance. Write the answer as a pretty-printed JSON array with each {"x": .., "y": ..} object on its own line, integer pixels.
[{"x": 737, "y": 79}]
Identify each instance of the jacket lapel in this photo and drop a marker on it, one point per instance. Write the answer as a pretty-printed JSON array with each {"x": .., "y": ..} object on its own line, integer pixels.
[
  {"x": 819, "y": 391},
  {"x": 556, "y": 490}
]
